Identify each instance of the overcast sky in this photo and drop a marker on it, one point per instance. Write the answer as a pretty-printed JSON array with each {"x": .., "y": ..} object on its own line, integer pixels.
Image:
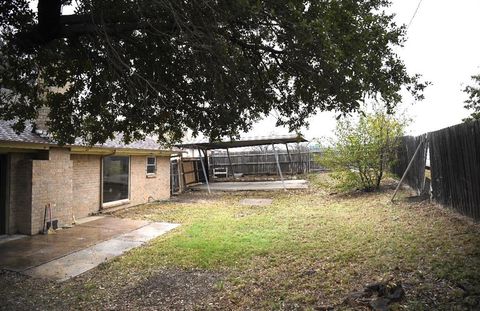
[{"x": 443, "y": 46}]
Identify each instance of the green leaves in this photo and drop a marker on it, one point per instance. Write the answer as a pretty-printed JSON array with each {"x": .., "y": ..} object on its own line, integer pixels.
[
  {"x": 363, "y": 150},
  {"x": 473, "y": 101},
  {"x": 161, "y": 67}
]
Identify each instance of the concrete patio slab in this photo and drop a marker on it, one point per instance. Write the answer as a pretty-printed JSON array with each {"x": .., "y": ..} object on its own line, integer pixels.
[
  {"x": 76, "y": 263},
  {"x": 117, "y": 223},
  {"x": 253, "y": 185},
  {"x": 148, "y": 232},
  {"x": 87, "y": 219},
  {"x": 20, "y": 255},
  {"x": 11, "y": 237}
]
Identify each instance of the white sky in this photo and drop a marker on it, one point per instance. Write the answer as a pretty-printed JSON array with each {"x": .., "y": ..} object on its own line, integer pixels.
[{"x": 443, "y": 46}]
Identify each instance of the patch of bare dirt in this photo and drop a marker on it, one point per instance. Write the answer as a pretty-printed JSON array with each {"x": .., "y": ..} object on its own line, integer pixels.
[{"x": 171, "y": 289}]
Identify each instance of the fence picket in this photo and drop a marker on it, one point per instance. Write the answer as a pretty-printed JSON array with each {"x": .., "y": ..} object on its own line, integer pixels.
[{"x": 454, "y": 163}]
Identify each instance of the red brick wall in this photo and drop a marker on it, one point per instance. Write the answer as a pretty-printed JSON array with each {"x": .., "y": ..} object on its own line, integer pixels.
[{"x": 86, "y": 184}]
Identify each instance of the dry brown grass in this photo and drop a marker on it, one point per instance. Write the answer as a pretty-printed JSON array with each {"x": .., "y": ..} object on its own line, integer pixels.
[{"x": 308, "y": 250}]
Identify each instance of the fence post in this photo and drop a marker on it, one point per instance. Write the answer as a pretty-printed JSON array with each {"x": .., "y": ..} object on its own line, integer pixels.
[{"x": 408, "y": 168}]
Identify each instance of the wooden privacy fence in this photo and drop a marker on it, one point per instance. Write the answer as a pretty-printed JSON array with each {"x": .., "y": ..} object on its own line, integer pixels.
[
  {"x": 455, "y": 167},
  {"x": 454, "y": 163},
  {"x": 415, "y": 177},
  {"x": 263, "y": 163}
]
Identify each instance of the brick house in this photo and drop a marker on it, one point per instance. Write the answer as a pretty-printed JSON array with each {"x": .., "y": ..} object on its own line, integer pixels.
[{"x": 75, "y": 179}]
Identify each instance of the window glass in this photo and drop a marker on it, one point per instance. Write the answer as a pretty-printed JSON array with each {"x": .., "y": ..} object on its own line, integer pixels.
[
  {"x": 115, "y": 178},
  {"x": 151, "y": 160},
  {"x": 151, "y": 165}
]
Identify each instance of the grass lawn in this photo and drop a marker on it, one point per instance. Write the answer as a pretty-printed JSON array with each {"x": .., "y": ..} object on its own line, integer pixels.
[{"x": 307, "y": 250}]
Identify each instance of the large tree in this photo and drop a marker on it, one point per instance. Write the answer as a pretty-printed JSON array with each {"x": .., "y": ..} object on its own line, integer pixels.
[{"x": 163, "y": 66}]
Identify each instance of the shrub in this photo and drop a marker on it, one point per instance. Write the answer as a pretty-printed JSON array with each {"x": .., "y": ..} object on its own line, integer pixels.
[{"x": 363, "y": 150}]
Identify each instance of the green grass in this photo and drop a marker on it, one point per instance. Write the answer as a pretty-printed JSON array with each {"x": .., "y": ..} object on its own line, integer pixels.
[
  {"x": 346, "y": 240},
  {"x": 307, "y": 249}
]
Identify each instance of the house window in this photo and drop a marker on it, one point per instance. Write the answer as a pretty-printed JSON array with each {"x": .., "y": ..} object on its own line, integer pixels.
[
  {"x": 116, "y": 181},
  {"x": 151, "y": 165}
]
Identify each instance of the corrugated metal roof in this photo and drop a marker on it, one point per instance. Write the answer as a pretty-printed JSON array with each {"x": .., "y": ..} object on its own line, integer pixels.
[{"x": 244, "y": 142}]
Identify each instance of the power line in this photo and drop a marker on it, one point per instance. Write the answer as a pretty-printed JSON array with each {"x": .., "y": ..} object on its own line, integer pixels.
[{"x": 414, "y": 14}]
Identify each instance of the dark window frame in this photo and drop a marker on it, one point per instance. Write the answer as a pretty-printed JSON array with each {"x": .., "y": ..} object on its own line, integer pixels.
[
  {"x": 116, "y": 182},
  {"x": 154, "y": 166}
]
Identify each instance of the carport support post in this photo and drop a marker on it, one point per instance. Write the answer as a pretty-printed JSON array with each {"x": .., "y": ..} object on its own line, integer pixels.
[
  {"x": 204, "y": 171},
  {"x": 230, "y": 162},
  {"x": 289, "y": 160},
  {"x": 278, "y": 167}
]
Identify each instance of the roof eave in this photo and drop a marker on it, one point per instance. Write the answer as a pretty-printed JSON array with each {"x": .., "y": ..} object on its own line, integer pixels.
[
  {"x": 19, "y": 146},
  {"x": 8, "y": 144},
  {"x": 120, "y": 151}
]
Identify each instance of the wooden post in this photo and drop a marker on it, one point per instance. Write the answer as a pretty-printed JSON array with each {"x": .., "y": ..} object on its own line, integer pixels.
[
  {"x": 300, "y": 159},
  {"x": 204, "y": 171},
  {"x": 290, "y": 166},
  {"x": 309, "y": 161},
  {"x": 278, "y": 167},
  {"x": 182, "y": 171},
  {"x": 196, "y": 168},
  {"x": 408, "y": 168},
  {"x": 230, "y": 162}
]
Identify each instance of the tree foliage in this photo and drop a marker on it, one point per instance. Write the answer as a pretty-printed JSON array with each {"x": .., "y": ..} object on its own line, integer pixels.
[
  {"x": 473, "y": 101},
  {"x": 160, "y": 67},
  {"x": 363, "y": 150}
]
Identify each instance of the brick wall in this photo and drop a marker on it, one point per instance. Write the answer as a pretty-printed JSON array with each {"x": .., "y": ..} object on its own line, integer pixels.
[
  {"x": 52, "y": 183},
  {"x": 86, "y": 184},
  {"x": 20, "y": 193},
  {"x": 159, "y": 187},
  {"x": 143, "y": 188},
  {"x": 72, "y": 185}
]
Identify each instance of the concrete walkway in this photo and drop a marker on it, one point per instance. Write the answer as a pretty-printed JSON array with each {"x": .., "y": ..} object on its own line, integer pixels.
[
  {"x": 71, "y": 252},
  {"x": 253, "y": 185}
]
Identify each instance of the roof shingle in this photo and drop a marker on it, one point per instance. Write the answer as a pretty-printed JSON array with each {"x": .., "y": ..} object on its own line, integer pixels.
[
  {"x": 7, "y": 134},
  {"x": 27, "y": 136}
]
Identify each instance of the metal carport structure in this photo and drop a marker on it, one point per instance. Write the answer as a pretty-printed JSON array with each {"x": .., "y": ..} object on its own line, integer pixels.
[{"x": 204, "y": 146}]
